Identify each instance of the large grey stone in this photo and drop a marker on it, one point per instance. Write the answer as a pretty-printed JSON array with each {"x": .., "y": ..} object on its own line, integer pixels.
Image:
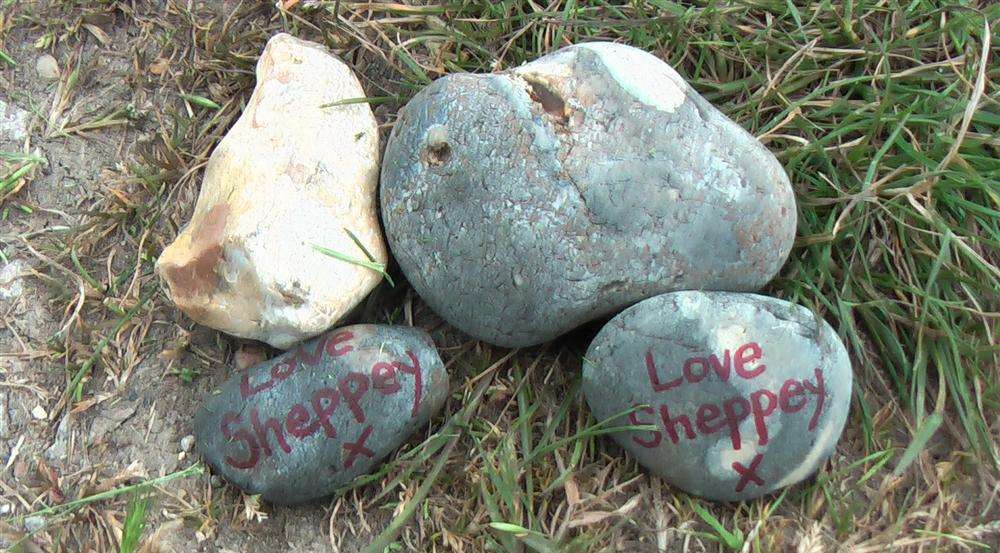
[
  {"x": 746, "y": 393},
  {"x": 296, "y": 427},
  {"x": 523, "y": 204}
]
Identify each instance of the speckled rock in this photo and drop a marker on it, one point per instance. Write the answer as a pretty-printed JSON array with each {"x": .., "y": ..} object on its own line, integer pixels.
[
  {"x": 298, "y": 426},
  {"x": 746, "y": 394},
  {"x": 524, "y": 203},
  {"x": 290, "y": 175}
]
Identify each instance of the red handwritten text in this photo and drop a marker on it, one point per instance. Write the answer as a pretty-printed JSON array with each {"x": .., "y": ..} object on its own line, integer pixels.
[
  {"x": 709, "y": 418},
  {"x": 335, "y": 345},
  {"x": 263, "y": 437},
  {"x": 727, "y": 415},
  {"x": 697, "y": 369}
]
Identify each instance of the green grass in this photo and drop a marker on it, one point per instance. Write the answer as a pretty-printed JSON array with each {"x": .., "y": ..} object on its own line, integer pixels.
[
  {"x": 886, "y": 115},
  {"x": 12, "y": 179},
  {"x": 135, "y": 521}
]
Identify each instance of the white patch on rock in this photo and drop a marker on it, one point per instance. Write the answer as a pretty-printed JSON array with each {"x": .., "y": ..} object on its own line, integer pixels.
[
  {"x": 556, "y": 66},
  {"x": 724, "y": 455},
  {"x": 646, "y": 77},
  {"x": 729, "y": 336},
  {"x": 289, "y": 175}
]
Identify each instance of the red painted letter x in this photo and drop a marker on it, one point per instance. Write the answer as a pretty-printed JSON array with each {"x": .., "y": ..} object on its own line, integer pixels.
[
  {"x": 748, "y": 474},
  {"x": 354, "y": 448}
]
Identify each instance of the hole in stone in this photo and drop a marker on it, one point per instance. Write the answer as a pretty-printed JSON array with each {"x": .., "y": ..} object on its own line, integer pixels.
[
  {"x": 551, "y": 102},
  {"x": 438, "y": 154}
]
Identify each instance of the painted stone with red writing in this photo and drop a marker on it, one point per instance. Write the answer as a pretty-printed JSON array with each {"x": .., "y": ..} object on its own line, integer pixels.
[
  {"x": 524, "y": 203},
  {"x": 298, "y": 426},
  {"x": 743, "y": 394}
]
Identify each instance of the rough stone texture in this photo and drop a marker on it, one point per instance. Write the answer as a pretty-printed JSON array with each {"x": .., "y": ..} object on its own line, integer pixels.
[
  {"x": 747, "y": 394},
  {"x": 296, "y": 427},
  {"x": 525, "y": 203},
  {"x": 290, "y": 174}
]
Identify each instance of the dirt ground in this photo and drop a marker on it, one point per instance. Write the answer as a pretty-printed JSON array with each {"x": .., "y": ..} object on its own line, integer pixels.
[{"x": 123, "y": 153}]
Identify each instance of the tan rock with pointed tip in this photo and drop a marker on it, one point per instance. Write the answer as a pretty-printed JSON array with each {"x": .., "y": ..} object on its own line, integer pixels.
[{"x": 289, "y": 175}]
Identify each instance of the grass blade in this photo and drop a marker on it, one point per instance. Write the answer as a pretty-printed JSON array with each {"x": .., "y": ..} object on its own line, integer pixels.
[
  {"x": 535, "y": 540},
  {"x": 135, "y": 521},
  {"x": 201, "y": 101},
  {"x": 377, "y": 267},
  {"x": 920, "y": 439},
  {"x": 373, "y": 100}
]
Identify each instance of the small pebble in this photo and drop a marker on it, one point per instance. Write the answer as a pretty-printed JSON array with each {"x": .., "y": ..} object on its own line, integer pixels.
[
  {"x": 248, "y": 356},
  {"x": 34, "y": 523},
  {"x": 47, "y": 67},
  {"x": 187, "y": 442},
  {"x": 39, "y": 413}
]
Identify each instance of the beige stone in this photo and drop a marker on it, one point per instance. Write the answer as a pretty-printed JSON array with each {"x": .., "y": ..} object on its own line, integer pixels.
[
  {"x": 289, "y": 175},
  {"x": 47, "y": 67}
]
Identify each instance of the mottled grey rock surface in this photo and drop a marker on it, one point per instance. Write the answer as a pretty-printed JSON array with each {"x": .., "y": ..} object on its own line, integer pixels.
[
  {"x": 523, "y": 204},
  {"x": 747, "y": 393},
  {"x": 297, "y": 426}
]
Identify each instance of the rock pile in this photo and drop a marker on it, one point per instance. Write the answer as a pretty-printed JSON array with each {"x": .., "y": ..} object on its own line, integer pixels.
[{"x": 520, "y": 205}]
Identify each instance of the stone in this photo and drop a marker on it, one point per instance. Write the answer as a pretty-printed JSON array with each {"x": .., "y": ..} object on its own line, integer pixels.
[
  {"x": 47, "y": 67},
  {"x": 289, "y": 176},
  {"x": 525, "y": 203},
  {"x": 11, "y": 285},
  {"x": 57, "y": 451},
  {"x": 34, "y": 523},
  {"x": 298, "y": 426},
  {"x": 13, "y": 123},
  {"x": 745, "y": 394}
]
